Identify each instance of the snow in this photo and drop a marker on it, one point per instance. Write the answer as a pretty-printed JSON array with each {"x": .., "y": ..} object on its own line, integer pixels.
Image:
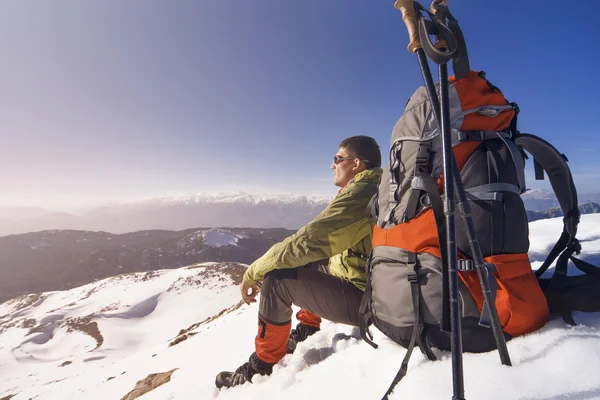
[
  {"x": 538, "y": 194},
  {"x": 240, "y": 197},
  {"x": 544, "y": 233},
  {"x": 220, "y": 237},
  {"x": 138, "y": 315}
]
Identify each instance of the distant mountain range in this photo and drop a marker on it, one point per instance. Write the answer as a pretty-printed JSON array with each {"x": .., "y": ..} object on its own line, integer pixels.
[
  {"x": 60, "y": 260},
  {"x": 233, "y": 210},
  {"x": 585, "y": 208},
  {"x": 541, "y": 204},
  {"x": 540, "y": 199},
  {"x": 178, "y": 213}
]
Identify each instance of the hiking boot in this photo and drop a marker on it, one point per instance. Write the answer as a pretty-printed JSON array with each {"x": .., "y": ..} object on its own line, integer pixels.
[
  {"x": 299, "y": 335},
  {"x": 244, "y": 373}
]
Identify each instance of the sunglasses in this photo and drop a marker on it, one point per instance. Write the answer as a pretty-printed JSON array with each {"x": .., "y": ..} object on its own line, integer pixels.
[{"x": 338, "y": 159}]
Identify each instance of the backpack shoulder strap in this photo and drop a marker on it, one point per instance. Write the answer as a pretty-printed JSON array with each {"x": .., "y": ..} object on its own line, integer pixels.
[
  {"x": 548, "y": 159},
  {"x": 555, "y": 165}
]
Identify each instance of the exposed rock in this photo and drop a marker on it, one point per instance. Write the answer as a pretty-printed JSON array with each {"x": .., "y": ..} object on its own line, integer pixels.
[
  {"x": 87, "y": 326},
  {"x": 28, "y": 323},
  {"x": 187, "y": 333},
  {"x": 148, "y": 384},
  {"x": 181, "y": 338},
  {"x": 221, "y": 271}
]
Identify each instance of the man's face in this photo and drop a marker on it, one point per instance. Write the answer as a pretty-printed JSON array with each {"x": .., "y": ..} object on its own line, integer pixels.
[{"x": 346, "y": 166}]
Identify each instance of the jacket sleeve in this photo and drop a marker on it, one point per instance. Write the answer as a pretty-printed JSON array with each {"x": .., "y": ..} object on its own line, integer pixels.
[{"x": 340, "y": 226}]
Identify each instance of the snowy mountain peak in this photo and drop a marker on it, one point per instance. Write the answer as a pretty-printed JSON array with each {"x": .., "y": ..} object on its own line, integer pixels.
[
  {"x": 222, "y": 237},
  {"x": 538, "y": 194},
  {"x": 240, "y": 197}
]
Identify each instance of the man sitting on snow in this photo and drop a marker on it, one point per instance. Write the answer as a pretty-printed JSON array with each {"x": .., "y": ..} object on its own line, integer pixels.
[{"x": 342, "y": 233}]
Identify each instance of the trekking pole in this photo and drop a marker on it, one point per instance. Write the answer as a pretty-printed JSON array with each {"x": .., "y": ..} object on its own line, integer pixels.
[
  {"x": 450, "y": 211},
  {"x": 408, "y": 10},
  {"x": 439, "y": 7},
  {"x": 443, "y": 119}
]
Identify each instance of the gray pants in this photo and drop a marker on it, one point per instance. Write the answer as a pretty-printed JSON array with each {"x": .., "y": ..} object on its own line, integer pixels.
[{"x": 312, "y": 289}]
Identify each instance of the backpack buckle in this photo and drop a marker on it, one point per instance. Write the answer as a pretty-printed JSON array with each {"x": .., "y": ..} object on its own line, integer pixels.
[
  {"x": 425, "y": 200},
  {"x": 412, "y": 276},
  {"x": 423, "y": 154},
  {"x": 413, "y": 267},
  {"x": 466, "y": 265}
]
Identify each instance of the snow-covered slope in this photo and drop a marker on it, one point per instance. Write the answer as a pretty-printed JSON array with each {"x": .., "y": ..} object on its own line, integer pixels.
[
  {"x": 186, "y": 325},
  {"x": 84, "y": 338}
]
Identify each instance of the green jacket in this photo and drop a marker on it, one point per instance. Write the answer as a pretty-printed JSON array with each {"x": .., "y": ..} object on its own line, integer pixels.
[{"x": 342, "y": 233}]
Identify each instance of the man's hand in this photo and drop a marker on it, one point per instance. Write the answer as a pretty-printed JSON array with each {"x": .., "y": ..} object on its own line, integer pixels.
[{"x": 249, "y": 292}]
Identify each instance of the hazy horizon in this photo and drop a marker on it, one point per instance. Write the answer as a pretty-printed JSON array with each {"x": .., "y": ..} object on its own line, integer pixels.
[
  {"x": 110, "y": 102},
  {"x": 79, "y": 209}
]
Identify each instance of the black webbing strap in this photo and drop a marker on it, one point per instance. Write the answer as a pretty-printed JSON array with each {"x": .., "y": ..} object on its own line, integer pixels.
[
  {"x": 584, "y": 266},
  {"x": 415, "y": 291},
  {"x": 568, "y": 318},
  {"x": 561, "y": 268},
  {"x": 570, "y": 222},
  {"x": 539, "y": 170},
  {"x": 558, "y": 248},
  {"x": 424, "y": 344},
  {"x": 394, "y": 168},
  {"x": 485, "y": 319},
  {"x": 413, "y": 205},
  {"x": 513, "y": 123},
  {"x": 560, "y": 276},
  {"x": 365, "y": 315},
  {"x": 429, "y": 186},
  {"x": 440, "y": 223}
]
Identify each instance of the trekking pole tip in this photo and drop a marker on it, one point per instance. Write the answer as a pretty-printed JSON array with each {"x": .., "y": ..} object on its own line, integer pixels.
[{"x": 409, "y": 16}]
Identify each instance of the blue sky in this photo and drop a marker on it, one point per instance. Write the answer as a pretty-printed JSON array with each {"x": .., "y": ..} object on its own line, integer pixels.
[{"x": 112, "y": 100}]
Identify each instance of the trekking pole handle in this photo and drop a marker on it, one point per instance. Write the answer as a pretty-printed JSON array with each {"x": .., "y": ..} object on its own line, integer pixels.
[
  {"x": 439, "y": 43},
  {"x": 409, "y": 16}
]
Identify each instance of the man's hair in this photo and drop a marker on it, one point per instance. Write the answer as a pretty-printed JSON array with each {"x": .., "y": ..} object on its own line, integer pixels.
[{"x": 365, "y": 148}]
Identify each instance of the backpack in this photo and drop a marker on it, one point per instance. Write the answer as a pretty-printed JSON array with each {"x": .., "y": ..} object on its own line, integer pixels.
[
  {"x": 405, "y": 271},
  {"x": 406, "y": 293}
]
